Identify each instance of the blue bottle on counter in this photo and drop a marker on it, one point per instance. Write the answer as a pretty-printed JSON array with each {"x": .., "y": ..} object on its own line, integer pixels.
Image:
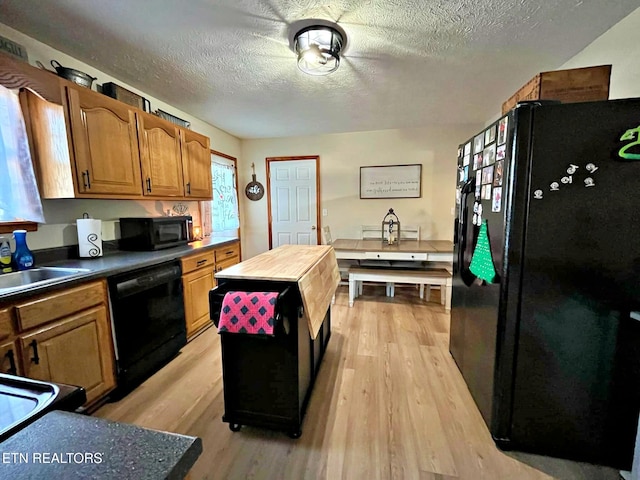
[{"x": 22, "y": 257}]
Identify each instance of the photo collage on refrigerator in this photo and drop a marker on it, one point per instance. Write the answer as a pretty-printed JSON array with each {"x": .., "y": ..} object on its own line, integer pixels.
[{"x": 484, "y": 156}]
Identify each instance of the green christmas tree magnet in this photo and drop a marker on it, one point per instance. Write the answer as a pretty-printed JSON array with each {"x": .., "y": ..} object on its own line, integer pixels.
[{"x": 482, "y": 261}]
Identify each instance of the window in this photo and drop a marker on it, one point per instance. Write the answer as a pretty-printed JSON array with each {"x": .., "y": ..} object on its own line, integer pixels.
[
  {"x": 19, "y": 197},
  {"x": 220, "y": 217}
]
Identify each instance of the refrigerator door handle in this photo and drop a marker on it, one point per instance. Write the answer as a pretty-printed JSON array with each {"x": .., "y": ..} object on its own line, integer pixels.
[{"x": 465, "y": 273}]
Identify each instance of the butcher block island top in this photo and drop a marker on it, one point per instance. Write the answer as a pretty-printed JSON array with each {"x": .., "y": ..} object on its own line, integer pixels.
[{"x": 313, "y": 268}]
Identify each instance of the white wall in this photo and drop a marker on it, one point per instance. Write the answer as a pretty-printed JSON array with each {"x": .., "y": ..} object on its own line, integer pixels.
[
  {"x": 60, "y": 215},
  {"x": 619, "y": 47},
  {"x": 341, "y": 156}
]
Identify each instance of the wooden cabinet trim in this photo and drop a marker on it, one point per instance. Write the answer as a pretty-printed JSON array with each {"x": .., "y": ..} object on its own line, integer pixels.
[{"x": 6, "y": 326}]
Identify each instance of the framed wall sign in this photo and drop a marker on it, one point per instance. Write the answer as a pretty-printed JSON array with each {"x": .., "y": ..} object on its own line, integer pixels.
[{"x": 391, "y": 181}]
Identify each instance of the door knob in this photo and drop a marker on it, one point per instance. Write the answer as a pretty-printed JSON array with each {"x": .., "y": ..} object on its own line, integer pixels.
[{"x": 313, "y": 228}]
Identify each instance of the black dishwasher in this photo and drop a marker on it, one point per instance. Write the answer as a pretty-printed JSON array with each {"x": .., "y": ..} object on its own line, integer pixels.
[{"x": 147, "y": 320}]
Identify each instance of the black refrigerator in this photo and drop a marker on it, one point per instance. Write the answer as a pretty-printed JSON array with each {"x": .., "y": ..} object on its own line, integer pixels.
[{"x": 546, "y": 291}]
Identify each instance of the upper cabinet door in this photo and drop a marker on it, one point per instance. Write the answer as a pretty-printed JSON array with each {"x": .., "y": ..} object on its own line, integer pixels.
[
  {"x": 160, "y": 156},
  {"x": 105, "y": 144},
  {"x": 196, "y": 165}
]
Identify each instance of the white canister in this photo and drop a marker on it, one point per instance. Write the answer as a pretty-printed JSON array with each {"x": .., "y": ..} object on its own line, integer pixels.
[{"x": 89, "y": 237}]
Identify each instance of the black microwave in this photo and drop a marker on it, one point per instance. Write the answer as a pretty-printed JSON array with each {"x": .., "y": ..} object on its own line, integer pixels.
[{"x": 155, "y": 233}]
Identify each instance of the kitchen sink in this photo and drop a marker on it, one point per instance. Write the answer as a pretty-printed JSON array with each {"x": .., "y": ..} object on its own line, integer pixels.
[
  {"x": 24, "y": 400},
  {"x": 20, "y": 400},
  {"x": 36, "y": 276}
]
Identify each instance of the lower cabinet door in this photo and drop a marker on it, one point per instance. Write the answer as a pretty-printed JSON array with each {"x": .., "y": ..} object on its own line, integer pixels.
[
  {"x": 196, "y": 286},
  {"x": 9, "y": 359},
  {"x": 76, "y": 350}
]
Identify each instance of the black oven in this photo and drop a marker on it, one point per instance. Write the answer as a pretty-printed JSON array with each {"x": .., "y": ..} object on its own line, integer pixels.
[
  {"x": 154, "y": 233},
  {"x": 148, "y": 321}
]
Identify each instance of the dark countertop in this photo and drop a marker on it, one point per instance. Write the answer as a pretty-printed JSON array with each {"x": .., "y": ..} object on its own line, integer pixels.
[
  {"x": 114, "y": 263},
  {"x": 63, "y": 445}
]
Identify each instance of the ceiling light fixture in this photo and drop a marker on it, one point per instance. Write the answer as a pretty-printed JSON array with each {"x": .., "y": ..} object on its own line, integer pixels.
[{"x": 318, "y": 48}]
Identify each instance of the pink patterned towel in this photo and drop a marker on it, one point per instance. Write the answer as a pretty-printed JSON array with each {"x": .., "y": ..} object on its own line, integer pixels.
[{"x": 248, "y": 312}]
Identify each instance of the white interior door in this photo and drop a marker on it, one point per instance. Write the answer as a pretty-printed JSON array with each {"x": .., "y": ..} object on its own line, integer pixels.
[{"x": 293, "y": 196}]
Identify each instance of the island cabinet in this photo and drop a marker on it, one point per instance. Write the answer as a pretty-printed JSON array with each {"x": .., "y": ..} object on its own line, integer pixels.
[
  {"x": 268, "y": 379},
  {"x": 198, "y": 279},
  {"x": 65, "y": 337}
]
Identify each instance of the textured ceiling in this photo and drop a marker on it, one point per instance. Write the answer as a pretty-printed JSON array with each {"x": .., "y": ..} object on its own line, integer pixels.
[{"x": 407, "y": 62}]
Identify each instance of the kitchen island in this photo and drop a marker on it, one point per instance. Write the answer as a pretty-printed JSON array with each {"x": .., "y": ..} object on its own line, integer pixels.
[{"x": 268, "y": 379}]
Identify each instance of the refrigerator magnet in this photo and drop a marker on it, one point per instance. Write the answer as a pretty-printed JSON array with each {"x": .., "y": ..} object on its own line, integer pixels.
[
  {"x": 496, "y": 201},
  {"x": 478, "y": 190},
  {"x": 502, "y": 130},
  {"x": 466, "y": 160},
  {"x": 489, "y": 155},
  {"x": 467, "y": 149},
  {"x": 487, "y": 174},
  {"x": 501, "y": 152},
  {"x": 497, "y": 174},
  {"x": 486, "y": 192},
  {"x": 490, "y": 135},
  {"x": 478, "y": 177},
  {"x": 466, "y": 173},
  {"x": 478, "y": 143}
]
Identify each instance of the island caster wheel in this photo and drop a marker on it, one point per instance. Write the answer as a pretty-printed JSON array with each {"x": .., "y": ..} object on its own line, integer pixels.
[
  {"x": 295, "y": 434},
  {"x": 235, "y": 427}
]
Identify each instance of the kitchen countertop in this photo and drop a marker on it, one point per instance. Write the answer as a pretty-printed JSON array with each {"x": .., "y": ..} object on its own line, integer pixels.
[
  {"x": 113, "y": 264},
  {"x": 63, "y": 445}
]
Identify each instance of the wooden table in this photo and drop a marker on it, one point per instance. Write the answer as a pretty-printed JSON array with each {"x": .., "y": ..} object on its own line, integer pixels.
[
  {"x": 416, "y": 250},
  {"x": 437, "y": 253}
]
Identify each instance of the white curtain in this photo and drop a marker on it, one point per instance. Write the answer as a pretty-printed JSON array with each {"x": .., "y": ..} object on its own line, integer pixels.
[
  {"x": 19, "y": 197},
  {"x": 225, "y": 199}
]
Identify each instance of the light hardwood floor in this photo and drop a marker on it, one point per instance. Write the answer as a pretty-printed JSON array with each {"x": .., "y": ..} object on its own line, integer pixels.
[{"x": 389, "y": 402}]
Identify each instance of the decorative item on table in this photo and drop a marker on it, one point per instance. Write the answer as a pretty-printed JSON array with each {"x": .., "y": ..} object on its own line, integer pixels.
[
  {"x": 22, "y": 257},
  {"x": 391, "y": 226},
  {"x": 172, "y": 118},
  {"x": 254, "y": 189},
  {"x": 89, "y": 237},
  {"x": 197, "y": 232}
]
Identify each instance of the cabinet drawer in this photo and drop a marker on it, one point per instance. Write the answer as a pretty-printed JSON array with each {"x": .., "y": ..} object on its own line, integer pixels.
[
  {"x": 229, "y": 262},
  {"x": 195, "y": 262},
  {"x": 396, "y": 256},
  {"x": 46, "y": 308},
  {"x": 229, "y": 251},
  {"x": 5, "y": 324}
]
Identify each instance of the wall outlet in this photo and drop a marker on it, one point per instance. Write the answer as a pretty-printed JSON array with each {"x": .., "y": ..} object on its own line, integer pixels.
[
  {"x": 324, "y": 212},
  {"x": 453, "y": 210}
]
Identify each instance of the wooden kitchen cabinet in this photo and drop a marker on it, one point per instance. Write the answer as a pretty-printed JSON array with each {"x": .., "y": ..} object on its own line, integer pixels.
[
  {"x": 160, "y": 156},
  {"x": 64, "y": 337},
  {"x": 105, "y": 144},
  {"x": 74, "y": 350},
  {"x": 8, "y": 350},
  {"x": 197, "y": 280},
  {"x": 196, "y": 165}
]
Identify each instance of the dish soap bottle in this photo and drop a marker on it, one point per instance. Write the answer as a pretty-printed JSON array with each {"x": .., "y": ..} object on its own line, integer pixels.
[
  {"x": 22, "y": 257},
  {"x": 5, "y": 255}
]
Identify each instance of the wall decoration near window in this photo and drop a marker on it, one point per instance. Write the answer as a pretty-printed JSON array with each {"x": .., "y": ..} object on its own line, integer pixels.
[{"x": 391, "y": 181}]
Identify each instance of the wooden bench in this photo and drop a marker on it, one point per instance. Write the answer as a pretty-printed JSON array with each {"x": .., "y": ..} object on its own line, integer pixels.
[{"x": 391, "y": 276}]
